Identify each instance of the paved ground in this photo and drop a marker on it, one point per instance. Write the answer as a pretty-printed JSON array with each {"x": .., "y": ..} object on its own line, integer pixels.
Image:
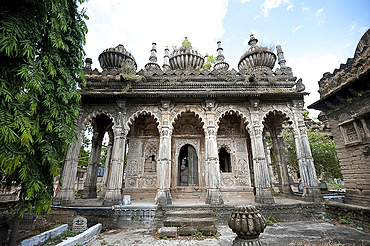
[{"x": 281, "y": 234}]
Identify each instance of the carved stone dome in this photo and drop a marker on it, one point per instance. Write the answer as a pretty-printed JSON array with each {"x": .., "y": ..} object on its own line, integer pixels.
[
  {"x": 256, "y": 56},
  {"x": 186, "y": 58},
  {"x": 113, "y": 58}
]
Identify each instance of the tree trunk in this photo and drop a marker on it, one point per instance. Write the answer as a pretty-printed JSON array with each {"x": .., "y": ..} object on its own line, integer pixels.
[{"x": 14, "y": 234}]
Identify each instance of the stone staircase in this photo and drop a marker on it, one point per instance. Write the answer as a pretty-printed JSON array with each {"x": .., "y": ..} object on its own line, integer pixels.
[
  {"x": 187, "y": 193},
  {"x": 190, "y": 221}
]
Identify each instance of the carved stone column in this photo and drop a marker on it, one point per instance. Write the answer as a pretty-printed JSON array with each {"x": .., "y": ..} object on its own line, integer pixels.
[
  {"x": 92, "y": 169},
  {"x": 213, "y": 177},
  {"x": 106, "y": 170},
  {"x": 261, "y": 172},
  {"x": 164, "y": 167},
  {"x": 163, "y": 196},
  {"x": 279, "y": 152},
  {"x": 113, "y": 193},
  {"x": 66, "y": 194},
  {"x": 311, "y": 191}
]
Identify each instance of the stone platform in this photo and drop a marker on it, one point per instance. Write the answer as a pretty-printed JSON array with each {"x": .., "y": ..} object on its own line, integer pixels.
[{"x": 149, "y": 215}]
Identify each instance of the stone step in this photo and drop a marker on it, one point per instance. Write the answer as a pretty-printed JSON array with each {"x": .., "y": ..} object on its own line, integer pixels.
[
  {"x": 187, "y": 196},
  {"x": 205, "y": 231},
  {"x": 189, "y": 222},
  {"x": 189, "y": 214}
]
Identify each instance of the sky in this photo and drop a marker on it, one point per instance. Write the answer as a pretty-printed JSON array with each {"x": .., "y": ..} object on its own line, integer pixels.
[{"x": 316, "y": 36}]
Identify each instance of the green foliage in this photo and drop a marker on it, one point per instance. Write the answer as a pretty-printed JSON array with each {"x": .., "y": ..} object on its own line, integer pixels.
[
  {"x": 41, "y": 60},
  {"x": 343, "y": 220},
  {"x": 323, "y": 151},
  {"x": 271, "y": 220},
  {"x": 305, "y": 114},
  {"x": 211, "y": 60},
  {"x": 186, "y": 43}
]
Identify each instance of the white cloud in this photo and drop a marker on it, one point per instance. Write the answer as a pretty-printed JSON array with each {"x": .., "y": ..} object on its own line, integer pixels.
[
  {"x": 258, "y": 16},
  {"x": 319, "y": 15},
  {"x": 311, "y": 69},
  {"x": 353, "y": 26},
  {"x": 290, "y": 7},
  {"x": 364, "y": 29},
  {"x": 136, "y": 24},
  {"x": 244, "y": 1},
  {"x": 268, "y": 5},
  {"x": 294, "y": 29}
]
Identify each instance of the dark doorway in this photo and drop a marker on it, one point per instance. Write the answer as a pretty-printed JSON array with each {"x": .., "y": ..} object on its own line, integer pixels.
[
  {"x": 224, "y": 158},
  {"x": 188, "y": 167}
]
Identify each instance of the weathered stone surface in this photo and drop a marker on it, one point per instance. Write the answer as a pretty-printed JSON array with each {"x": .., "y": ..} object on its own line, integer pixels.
[
  {"x": 45, "y": 236},
  {"x": 167, "y": 232},
  {"x": 349, "y": 119},
  {"x": 157, "y": 117}
]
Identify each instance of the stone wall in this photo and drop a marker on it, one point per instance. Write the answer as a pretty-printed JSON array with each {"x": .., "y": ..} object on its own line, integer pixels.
[
  {"x": 359, "y": 216},
  {"x": 351, "y": 141},
  {"x": 152, "y": 216}
]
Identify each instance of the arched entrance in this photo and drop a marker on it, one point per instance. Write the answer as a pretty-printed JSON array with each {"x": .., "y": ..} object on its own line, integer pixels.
[{"x": 188, "y": 168}]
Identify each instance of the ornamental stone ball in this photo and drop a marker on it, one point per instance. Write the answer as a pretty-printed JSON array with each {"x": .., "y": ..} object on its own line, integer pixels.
[
  {"x": 114, "y": 58},
  {"x": 247, "y": 222},
  {"x": 257, "y": 57},
  {"x": 185, "y": 57}
]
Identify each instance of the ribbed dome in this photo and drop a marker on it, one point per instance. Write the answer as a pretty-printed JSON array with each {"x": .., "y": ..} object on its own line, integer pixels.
[
  {"x": 256, "y": 56},
  {"x": 186, "y": 58},
  {"x": 115, "y": 57}
]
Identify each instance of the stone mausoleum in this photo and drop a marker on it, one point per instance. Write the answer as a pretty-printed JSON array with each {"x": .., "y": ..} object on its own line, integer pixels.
[
  {"x": 345, "y": 102},
  {"x": 182, "y": 131}
]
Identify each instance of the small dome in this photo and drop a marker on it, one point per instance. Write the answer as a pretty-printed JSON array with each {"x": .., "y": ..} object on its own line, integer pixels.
[
  {"x": 186, "y": 58},
  {"x": 256, "y": 56},
  {"x": 114, "y": 58}
]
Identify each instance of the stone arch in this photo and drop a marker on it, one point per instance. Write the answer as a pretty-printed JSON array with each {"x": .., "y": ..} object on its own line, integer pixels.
[
  {"x": 198, "y": 113},
  {"x": 144, "y": 112},
  {"x": 226, "y": 147},
  {"x": 228, "y": 111},
  {"x": 92, "y": 115},
  {"x": 284, "y": 118},
  {"x": 274, "y": 122}
]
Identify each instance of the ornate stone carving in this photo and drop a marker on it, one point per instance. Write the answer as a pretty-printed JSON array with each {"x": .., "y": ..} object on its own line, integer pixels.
[
  {"x": 132, "y": 168},
  {"x": 241, "y": 145},
  {"x": 148, "y": 182},
  {"x": 228, "y": 180},
  {"x": 114, "y": 58},
  {"x": 248, "y": 223}
]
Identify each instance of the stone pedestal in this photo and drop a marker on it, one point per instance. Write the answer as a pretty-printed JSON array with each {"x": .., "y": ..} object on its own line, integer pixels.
[{"x": 248, "y": 224}]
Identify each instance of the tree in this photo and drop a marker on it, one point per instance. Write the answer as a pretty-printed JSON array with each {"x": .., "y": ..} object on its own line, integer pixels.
[
  {"x": 211, "y": 60},
  {"x": 41, "y": 60},
  {"x": 323, "y": 153}
]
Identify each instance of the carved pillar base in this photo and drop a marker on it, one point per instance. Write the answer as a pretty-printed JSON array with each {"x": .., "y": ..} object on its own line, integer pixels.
[
  {"x": 163, "y": 197},
  {"x": 112, "y": 197},
  {"x": 286, "y": 190},
  {"x": 263, "y": 196},
  {"x": 247, "y": 242},
  {"x": 312, "y": 194},
  {"x": 89, "y": 192},
  {"x": 214, "y": 196},
  {"x": 64, "y": 197}
]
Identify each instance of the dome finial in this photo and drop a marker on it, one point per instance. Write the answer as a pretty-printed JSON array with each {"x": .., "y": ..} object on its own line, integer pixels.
[
  {"x": 152, "y": 64},
  {"x": 252, "y": 40},
  {"x": 220, "y": 64}
]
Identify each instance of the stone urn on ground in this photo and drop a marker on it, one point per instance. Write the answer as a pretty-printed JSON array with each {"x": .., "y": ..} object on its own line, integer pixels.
[{"x": 248, "y": 224}]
